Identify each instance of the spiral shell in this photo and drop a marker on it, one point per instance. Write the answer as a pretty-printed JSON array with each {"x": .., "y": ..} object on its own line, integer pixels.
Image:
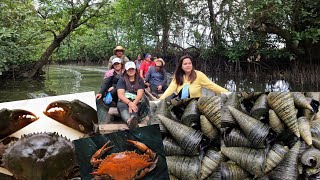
[
  {"x": 304, "y": 128},
  {"x": 315, "y": 128},
  {"x": 231, "y": 171},
  {"x": 172, "y": 148},
  {"x": 210, "y": 107},
  {"x": 313, "y": 95},
  {"x": 315, "y": 116},
  {"x": 208, "y": 129},
  {"x": 255, "y": 130},
  {"x": 282, "y": 103},
  {"x": 275, "y": 122},
  {"x": 301, "y": 101},
  {"x": 191, "y": 114},
  {"x": 226, "y": 117},
  {"x": 311, "y": 158},
  {"x": 260, "y": 107},
  {"x": 274, "y": 156},
  {"x": 288, "y": 167},
  {"x": 235, "y": 138},
  {"x": 251, "y": 160},
  {"x": 209, "y": 163},
  {"x": 316, "y": 142},
  {"x": 172, "y": 177},
  {"x": 188, "y": 138},
  {"x": 216, "y": 175},
  {"x": 183, "y": 167},
  {"x": 162, "y": 109}
]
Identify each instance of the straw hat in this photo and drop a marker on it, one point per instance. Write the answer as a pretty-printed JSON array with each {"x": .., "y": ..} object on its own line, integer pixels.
[
  {"x": 161, "y": 60},
  {"x": 119, "y": 48}
]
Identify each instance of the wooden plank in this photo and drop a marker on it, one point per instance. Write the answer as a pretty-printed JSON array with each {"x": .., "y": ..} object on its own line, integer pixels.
[
  {"x": 5, "y": 171},
  {"x": 113, "y": 111},
  {"x": 109, "y": 128}
]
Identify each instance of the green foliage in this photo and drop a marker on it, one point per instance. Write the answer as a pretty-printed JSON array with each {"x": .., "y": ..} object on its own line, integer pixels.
[{"x": 19, "y": 42}]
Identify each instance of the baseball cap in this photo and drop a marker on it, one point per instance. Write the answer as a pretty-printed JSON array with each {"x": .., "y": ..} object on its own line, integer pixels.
[
  {"x": 116, "y": 60},
  {"x": 129, "y": 65}
]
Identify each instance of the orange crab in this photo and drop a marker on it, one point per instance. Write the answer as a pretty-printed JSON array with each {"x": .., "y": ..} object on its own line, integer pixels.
[{"x": 123, "y": 165}]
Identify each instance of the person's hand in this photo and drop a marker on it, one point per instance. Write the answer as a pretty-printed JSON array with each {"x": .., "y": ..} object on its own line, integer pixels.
[
  {"x": 98, "y": 96},
  {"x": 132, "y": 107},
  {"x": 159, "y": 88},
  {"x": 147, "y": 84},
  {"x": 110, "y": 89}
]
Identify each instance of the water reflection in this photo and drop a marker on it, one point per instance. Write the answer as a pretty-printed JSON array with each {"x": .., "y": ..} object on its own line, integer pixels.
[
  {"x": 246, "y": 85},
  {"x": 279, "y": 85},
  {"x": 231, "y": 85},
  {"x": 73, "y": 79},
  {"x": 61, "y": 80}
]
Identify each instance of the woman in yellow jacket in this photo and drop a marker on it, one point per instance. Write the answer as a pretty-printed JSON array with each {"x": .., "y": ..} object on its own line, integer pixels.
[{"x": 187, "y": 81}]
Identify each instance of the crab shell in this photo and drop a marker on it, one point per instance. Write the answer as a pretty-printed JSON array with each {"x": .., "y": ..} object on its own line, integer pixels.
[
  {"x": 124, "y": 165},
  {"x": 13, "y": 120},
  {"x": 39, "y": 156},
  {"x": 75, "y": 114}
]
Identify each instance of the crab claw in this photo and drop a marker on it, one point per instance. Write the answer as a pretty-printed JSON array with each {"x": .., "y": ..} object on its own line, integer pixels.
[
  {"x": 96, "y": 157},
  {"x": 142, "y": 147},
  {"x": 14, "y": 120},
  {"x": 75, "y": 114}
]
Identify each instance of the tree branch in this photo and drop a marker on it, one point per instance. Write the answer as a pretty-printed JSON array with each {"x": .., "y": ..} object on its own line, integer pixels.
[
  {"x": 52, "y": 31},
  {"x": 42, "y": 15},
  {"x": 91, "y": 16}
]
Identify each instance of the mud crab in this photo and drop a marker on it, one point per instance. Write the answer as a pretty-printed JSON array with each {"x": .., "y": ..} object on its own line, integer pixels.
[
  {"x": 75, "y": 114},
  {"x": 13, "y": 120},
  {"x": 39, "y": 156},
  {"x": 123, "y": 165}
]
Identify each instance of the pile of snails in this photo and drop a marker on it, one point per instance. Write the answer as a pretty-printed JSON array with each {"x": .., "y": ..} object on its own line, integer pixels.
[
  {"x": 272, "y": 135},
  {"x": 191, "y": 135}
]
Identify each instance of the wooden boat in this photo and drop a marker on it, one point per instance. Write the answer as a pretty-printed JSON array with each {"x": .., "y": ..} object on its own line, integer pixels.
[{"x": 109, "y": 118}]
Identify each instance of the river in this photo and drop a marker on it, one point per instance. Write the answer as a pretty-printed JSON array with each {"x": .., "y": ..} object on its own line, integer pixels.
[{"x": 63, "y": 79}]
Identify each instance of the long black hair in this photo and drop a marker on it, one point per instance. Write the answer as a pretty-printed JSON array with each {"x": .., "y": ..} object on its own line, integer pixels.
[
  {"x": 178, "y": 74},
  {"x": 128, "y": 83}
]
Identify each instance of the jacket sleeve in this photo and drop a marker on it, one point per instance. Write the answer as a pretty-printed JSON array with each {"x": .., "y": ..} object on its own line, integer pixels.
[
  {"x": 207, "y": 83},
  {"x": 148, "y": 76},
  {"x": 171, "y": 89},
  {"x": 164, "y": 82},
  {"x": 106, "y": 84}
]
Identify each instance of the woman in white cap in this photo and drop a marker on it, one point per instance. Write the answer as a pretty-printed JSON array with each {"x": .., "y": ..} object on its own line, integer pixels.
[
  {"x": 111, "y": 79},
  {"x": 130, "y": 90},
  {"x": 118, "y": 53}
]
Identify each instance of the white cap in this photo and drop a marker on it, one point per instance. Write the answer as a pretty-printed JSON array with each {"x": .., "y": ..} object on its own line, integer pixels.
[
  {"x": 129, "y": 65},
  {"x": 116, "y": 60}
]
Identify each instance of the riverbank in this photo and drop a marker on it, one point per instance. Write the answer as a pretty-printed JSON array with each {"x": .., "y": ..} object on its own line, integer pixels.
[{"x": 67, "y": 79}]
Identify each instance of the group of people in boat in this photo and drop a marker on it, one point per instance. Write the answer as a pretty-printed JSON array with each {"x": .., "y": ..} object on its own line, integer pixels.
[{"x": 126, "y": 80}]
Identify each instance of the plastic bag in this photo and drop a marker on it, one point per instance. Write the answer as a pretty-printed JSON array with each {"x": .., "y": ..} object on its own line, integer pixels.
[
  {"x": 185, "y": 92},
  {"x": 108, "y": 98}
]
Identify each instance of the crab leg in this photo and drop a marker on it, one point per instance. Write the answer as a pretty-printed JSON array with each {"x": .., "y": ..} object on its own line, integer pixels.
[
  {"x": 143, "y": 148},
  {"x": 95, "y": 159}
]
